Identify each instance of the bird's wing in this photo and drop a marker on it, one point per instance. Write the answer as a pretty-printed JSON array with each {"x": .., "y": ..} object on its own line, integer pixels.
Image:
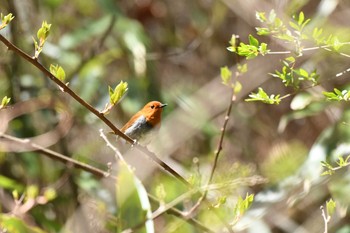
[{"x": 135, "y": 125}]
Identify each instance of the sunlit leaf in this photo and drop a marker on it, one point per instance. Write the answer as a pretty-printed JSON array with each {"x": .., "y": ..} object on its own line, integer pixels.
[
  {"x": 301, "y": 18},
  {"x": 12, "y": 224},
  {"x": 262, "y": 96},
  {"x": 5, "y": 20},
  {"x": 50, "y": 194},
  {"x": 118, "y": 93},
  {"x": 330, "y": 206},
  {"x": 260, "y": 16},
  {"x": 4, "y": 102},
  {"x": 10, "y": 184},
  {"x": 253, "y": 41},
  {"x": 32, "y": 191},
  {"x": 226, "y": 75},
  {"x": 237, "y": 87},
  {"x": 242, "y": 68}
]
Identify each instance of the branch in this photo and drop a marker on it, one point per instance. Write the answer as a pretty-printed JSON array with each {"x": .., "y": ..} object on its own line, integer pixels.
[
  {"x": 325, "y": 220},
  {"x": 97, "y": 113},
  {"x": 64, "y": 87},
  {"x": 325, "y": 47},
  {"x": 56, "y": 156},
  {"x": 217, "y": 153}
]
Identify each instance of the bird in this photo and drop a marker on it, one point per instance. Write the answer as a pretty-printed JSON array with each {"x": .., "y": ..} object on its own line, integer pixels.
[{"x": 144, "y": 125}]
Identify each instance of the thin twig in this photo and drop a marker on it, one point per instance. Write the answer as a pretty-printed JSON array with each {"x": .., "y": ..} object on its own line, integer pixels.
[
  {"x": 325, "y": 220},
  {"x": 109, "y": 144},
  {"x": 55, "y": 155},
  {"x": 325, "y": 47},
  {"x": 217, "y": 153}
]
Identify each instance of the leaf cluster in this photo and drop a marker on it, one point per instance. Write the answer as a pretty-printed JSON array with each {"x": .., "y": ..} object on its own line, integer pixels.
[
  {"x": 294, "y": 33},
  {"x": 5, "y": 20},
  {"x": 42, "y": 35},
  {"x": 341, "y": 163},
  {"x": 337, "y": 95}
]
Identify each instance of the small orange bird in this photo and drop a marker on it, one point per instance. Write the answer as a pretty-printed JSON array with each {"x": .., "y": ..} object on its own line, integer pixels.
[{"x": 144, "y": 123}]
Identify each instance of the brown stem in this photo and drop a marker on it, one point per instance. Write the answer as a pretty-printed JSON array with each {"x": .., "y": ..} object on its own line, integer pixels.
[
  {"x": 217, "y": 153},
  {"x": 54, "y": 155}
]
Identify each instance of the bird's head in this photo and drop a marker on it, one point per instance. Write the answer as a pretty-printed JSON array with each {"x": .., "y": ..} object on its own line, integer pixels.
[{"x": 152, "y": 111}]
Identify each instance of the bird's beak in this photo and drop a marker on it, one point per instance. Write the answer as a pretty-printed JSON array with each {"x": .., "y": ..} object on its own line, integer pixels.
[{"x": 163, "y": 105}]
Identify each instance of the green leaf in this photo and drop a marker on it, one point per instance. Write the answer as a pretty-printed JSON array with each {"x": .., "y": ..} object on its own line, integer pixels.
[
  {"x": 290, "y": 59},
  {"x": 160, "y": 192},
  {"x": 263, "y": 49},
  {"x": 242, "y": 68},
  {"x": 10, "y": 184},
  {"x": 329, "y": 167},
  {"x": 317, "y": 35},
  {"x": 32, "y": 191},
  {"x": 5, "y": 101},
  {"x": 61, "y": 75},
  {"x": 243, "y": 205},
  {"x": 58, "y": 72},
  {"x": 330, "y": 206},
  {"x": 260, "y": 16},
  {"x": 43, "y": 32},
  {"x": 118, "y": 93},
  {"x": 248, "y": 51},
  {"x": 50, "y": 194},
  {"x": 226, "y": 75},
  {"x": 233, "y": 43},
  {"x": 42, "y": 35},
  {"x": 294, "y": 26},
  {"x": 302, "y": 72},
  {"x": 337, "y": 95},
  {"x": 237, "y": 87},
  {"x": 15, "y": 225},
  {"x": 5, "y": 20},
  {"x": 262, "y": 31},
  {"x": 301, "y": 18},
  {"x": 220, "y": 201},
  {"x": 253, "y": 41},
  {"x": 262, "y": 96}
]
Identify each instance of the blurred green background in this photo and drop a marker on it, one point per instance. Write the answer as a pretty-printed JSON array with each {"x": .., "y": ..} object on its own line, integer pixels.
[{"x": 171, "y": 51}]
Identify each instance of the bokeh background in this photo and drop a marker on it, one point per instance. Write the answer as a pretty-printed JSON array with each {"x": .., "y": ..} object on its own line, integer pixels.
[{"x": 172, "y": 51}]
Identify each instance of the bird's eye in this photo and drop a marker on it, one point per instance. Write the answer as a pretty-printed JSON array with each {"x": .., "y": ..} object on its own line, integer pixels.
[{"x": 152, "y": 106}]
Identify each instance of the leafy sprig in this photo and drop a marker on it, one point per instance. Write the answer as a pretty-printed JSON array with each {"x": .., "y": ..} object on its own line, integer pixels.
[
  {"x": 5, "y": 20},
  {"x": 5, "y": 101},
  {"x": 292, "y": 77},
  {"x": 330, "y": 169},
  {"x": 115, "y": 96},
  {"x": 242, "y": 206},
  {"x": 337, "y": 95},
  {"x": 42, "y": 35},
  {"x": 262, "y": 96}
]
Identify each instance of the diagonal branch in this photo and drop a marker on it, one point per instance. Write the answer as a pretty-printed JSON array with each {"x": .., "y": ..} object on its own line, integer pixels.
[
  {"x": 97, "y": 113},
  {"x": 64, "y": 87}
]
